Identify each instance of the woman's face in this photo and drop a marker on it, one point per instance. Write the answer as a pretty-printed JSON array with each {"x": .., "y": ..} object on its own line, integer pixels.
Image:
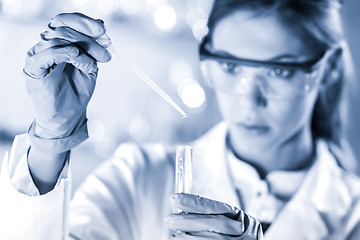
[{"x": 258, "y": 124}]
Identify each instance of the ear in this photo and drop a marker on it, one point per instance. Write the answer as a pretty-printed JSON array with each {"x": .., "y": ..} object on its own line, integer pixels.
[{"x": 334, "y": 68}]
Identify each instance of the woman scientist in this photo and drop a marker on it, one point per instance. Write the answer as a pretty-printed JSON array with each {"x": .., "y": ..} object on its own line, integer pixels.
[{"x": 277, "y": 68}]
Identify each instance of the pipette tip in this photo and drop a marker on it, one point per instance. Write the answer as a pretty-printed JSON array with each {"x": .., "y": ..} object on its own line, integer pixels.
[{"x": 172, "y": 103}]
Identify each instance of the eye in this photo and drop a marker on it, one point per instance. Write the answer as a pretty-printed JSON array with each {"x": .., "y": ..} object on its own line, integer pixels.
[
  {"x": 229, "y": 67},
  {"x": 281, "y": 73}
]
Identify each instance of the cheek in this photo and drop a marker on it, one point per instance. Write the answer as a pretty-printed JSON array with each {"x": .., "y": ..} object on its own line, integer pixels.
[
  {"x": 284, "y": 115},
  {"x": 288, "y": 116}
]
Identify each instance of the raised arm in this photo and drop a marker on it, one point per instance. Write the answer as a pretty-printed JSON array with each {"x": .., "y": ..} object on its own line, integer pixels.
[{"x": 61, "y": 72}]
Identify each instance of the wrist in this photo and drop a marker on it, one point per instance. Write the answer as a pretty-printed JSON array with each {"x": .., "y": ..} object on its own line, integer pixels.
[
  {"x": 45, "y": 168},
  {"x": 57, "y": 128},
  {"x": 60, "y": 144}
]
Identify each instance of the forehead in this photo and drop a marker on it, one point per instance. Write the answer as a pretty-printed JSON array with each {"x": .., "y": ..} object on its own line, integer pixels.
[{"x": 247, "y": 35}]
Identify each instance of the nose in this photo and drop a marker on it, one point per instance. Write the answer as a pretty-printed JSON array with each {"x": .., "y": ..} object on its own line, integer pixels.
[{"x": 250, "y": 90}]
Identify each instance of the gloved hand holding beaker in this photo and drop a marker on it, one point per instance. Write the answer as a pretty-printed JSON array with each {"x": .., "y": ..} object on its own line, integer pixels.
[{"x": 196, "y": 217}]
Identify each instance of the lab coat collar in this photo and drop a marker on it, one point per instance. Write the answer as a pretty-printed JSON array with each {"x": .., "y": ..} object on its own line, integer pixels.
[{"x": 318, "y": 207}]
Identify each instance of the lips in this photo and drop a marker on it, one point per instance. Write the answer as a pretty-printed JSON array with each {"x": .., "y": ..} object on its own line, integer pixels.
[{"x": 256, "y": 129}]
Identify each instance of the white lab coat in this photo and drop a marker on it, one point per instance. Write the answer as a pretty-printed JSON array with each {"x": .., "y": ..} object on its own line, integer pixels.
[{"x": 127, "y": 197}]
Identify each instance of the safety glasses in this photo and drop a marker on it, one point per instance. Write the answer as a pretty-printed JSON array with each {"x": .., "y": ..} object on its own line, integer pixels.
[{"x": 274, "y": 79}]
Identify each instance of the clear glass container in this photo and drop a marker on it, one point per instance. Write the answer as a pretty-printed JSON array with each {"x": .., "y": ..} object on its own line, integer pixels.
[{"x": 183, "y": 174}]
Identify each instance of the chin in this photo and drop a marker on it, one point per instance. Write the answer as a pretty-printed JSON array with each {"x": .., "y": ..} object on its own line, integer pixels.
[{"x": 251, "y": 141}]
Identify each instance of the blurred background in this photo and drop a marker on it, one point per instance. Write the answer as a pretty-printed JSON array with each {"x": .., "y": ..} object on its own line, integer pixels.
[{"x": 161, "y": 37}]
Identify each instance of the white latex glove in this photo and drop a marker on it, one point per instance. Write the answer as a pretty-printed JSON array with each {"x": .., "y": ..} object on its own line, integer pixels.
[
  {"x": 61, "y": 72},
  {"x": 202, "y": 218}
]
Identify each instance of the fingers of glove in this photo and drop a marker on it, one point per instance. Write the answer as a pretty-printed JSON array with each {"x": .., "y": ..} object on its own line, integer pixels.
[
  {"x": 200, "y": 222},
  {"x": 89, "y": 45},
  {"x": 195, "y": 204},
  {"x": 104, "y": 41},
  {"x": 44, "y": 44},
  {"x": 79, "y": 22},
  {"x": 39, "y": 64},
  {"x": 84, "y": 63},
  {"x": 84, "y": 83},
  {"x": 253, "y": 228},
  {"x": 201, "y": 235}
]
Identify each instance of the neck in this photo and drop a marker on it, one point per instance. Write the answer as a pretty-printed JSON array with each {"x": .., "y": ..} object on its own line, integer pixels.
[{"x": 293, "y": 153}]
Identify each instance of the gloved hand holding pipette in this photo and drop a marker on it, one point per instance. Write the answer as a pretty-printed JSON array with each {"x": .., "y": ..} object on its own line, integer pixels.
[
  {"x": 67, "y": 57},
  {"x": 61, "y": 74}
]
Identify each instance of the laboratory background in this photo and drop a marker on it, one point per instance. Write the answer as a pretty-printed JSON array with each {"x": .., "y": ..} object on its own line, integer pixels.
[{"x": 161, "y": 38}]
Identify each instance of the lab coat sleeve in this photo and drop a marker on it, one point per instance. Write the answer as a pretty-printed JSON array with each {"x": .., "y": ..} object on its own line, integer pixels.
[
  {"x": 104, "y": 207},
  {"x": 24, "y": 214},
  {"x": 122, "y": 198},
  {"x": 352, "y": 222}
]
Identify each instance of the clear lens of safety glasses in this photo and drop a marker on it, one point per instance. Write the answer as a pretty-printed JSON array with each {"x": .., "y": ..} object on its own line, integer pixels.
[{"x": 272, "y": 82}]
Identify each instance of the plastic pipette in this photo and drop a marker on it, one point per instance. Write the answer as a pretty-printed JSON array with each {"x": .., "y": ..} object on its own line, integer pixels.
[{"x": 143, "y": 76}]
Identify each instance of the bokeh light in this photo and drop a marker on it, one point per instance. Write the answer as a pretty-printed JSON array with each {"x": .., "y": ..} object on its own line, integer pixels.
[
  {"x": 139, "y": 129},
  {"x": 130, "y": 7},
  {"x": 205, "y": 4},
  {"x": 200, "y": 29},
  {"x": 79, "y": 4},
  {"x": 191, "y": 93},
  {"x": 96, "y": 129},
  {"x": 105, "y": 147},
  {"x": 195, "y": 14},
  {"x": 21, "y": 8},
  {"x": 180, "y": 70},
  {"x": 155, "y": 3},
  {"x": 106, "y": 6},
  {"x": 165, "y": 17},
  {"x": 11, "y": 7}
]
